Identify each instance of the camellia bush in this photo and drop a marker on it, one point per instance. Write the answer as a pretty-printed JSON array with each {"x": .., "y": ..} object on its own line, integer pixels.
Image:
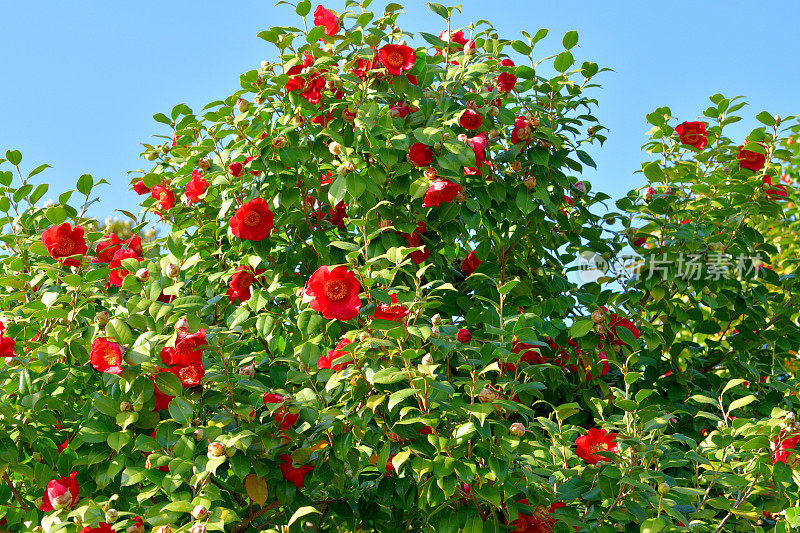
[{"x": 367, "y": 307}]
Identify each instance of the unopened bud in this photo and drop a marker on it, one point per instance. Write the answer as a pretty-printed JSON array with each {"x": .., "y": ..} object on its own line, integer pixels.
[
  {"x": 248, "y": 371},
  {"x": 493, "y": 111},
  {"x": 469, "y": 47},
  {"x": 102, "y": 318},
  {"x": 462, "y": 137},
  {"x": 198, "y": 527},
  {"x": 488, "y": 395},
  {"x": 173, "y": 270},
  {"x": 298, "y": 120},
  {"x": 437, "y": 147},
  {"x": 461, "y": 197},
  {"x": 125, "y": 407},
  {"x": 427, "y": 359},
  {"x": 517, "y": 429},
  {"x": 151, "y": 156},
  {"x": 143, "y": 274},
  {"x": 111, "y": 515},
  {"x": 663, "y": 488},
  {"x": 386, "y": 223},
  {"x": 598, "y": 316},
  {"x": 265, "y": 64},
  {"x": 204, "y": 164},
  {"x": 216, "y": 449},
  {"x": 516, "y": 166},
  {"x": 335, "y": 148},
  {"x": 165, "y": 148},
  {"x": 529, "y": 182},
  {"x": 341, "y": 170},
  {"x": 164, "y": 529},
  {"x": 279, "y": 141},
  {"x": 242, "y": 105},
  {"x": 430, "y": 174},
  {"x": 182, "y": 325},
  {"x": 649, "y": 193},
  {"x": 581, "y": 186},
  {"x": 258, "y": 99},
  {"x": 198, "y": 434},
  {"x": 393, "y": 437},
  {"x": 199, "y": 512},
  {"x": 436, "y": 319},
  {"x": 493, "y": 134}
]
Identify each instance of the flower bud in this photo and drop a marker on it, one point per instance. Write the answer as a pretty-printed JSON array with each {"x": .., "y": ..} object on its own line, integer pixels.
[
  {"x": 591, "y": 130},
  {"x": 298, "y": 120},
  {"x": 151, "y": 156},
  {"x": 173, "y": 270},
  {"x": 386, "y": 223},
  {"x": 581, "y": 186},
  {"x": 198, "y": 434},
  {"x": 111, "y": 515},
  {"x": 216, "y": 449},
  {"x": 430, "y": 174},
  {"x": 493, "y": 111},
  {"x": 534, "y": 122},
  {"x": 663, "y": 488},
  {"x": 182, "y": 325},
  {"x": 335, "y": 148},
  {"x": 529, "y": 182},
  {"x": 258, "y": 99},
  {"x": 469, "y": 47},
  {"x": 341, "y": 170},
  {"x": 279, "y": 142},
  {"x": 198, "y": 527},
  {"x": 265, "y": 64},
  {"x": 436, "y": 319},
  {"x": 599, "y": 329},
  {"x": 125, "y": 407},
  {"x": 242, "y": 105},
  {"x": 143, "y": 274},
  {"x": 437, "y": 147},
  {"x": 460, "y": 197},
  {"x": 669, "y": 190},
  {"x": 427, "y": 359},
  {"x": 164, "y": 529},
  {"x": 165, "y": 148},
  {"x": 199, "y": 512},
  {"x": 102, "y": 318},
  {"x": 517, "y": 429},
  {"x": 363, "y": 336},
  {"x": 488, "y": 395},
  {"x": 493, "y": 134},
  {"x": 598, "y": 316},
  {"x": 649, "y": 194},
  {"x": 393, "y": 437},
  {"x": 462, "y": 137},
  {"x": 349, "y": 166},
  {"x": 516, "y": 166},
  {"x": 204, "y": 164},
  {"x": 248, "y": 371}
]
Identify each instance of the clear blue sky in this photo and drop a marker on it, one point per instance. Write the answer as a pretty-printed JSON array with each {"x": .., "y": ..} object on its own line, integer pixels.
[{"x": 81, "y": 80}]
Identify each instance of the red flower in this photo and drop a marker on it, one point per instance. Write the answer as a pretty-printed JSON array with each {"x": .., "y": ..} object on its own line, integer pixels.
[
  {"x": 506, "y": 82},
  {"x": 252, "y": 158},
  {"x": 239, "y": 287},
  {"x": 751, "y": 160},
  {"x": 284, "y": 418},
  {"x": 117, "y": 273},
  {"x": 399, "y": 110},
  {"x": 397, "y": 58},
  {"x": 64, "y": 241},
  {"x": 140, "y": 188},
  {"x": 6, "y": 346},
  {"x": 775, "y": 192},
  {"x": 334, "y": 292},
  {"x": 478, "y": 145},
  {"x": 294, "y": 474},
  {"x": 164, "y": 195},
  {"x": 522, "y": 131},
  {"x": 162, "y": 399},
  {"x": 530, "y": 354},
  {"x": 326, "y": 178},
  {"x": 61, "y": 493},
  {"x": 414, "y": 240},
  {"x": 364, "y": 66},
  {"x": 420, "y": 155},
  {"x": 604, "y": 367},
  {"x": 105, "y": 249},
  {"x": 236, "y": 169},
  {"x": 396, "y": 312},
  {"x": 106, "y": 356},
  {"x": 426, "y": 430},
  {"x": 196, "y": 187},
  {"x": 325, "y": 361},
  {"x": 470, "y": 120},
  {"x": 440, "y": 191},
  {"x": 325, "y": 18},
  {"x": 540, "y": 520},
  {"x": 596, "y": 440},
  {"x": 464, "y": 336},
  {"x": 457, "y": 37},
  {"x": 188, "y": 349},
  {"x": 470, "y": 264},
  {"x": 252, "y": 221},
  {"x": 190, "y": 376},
  {"x": 693, "y": 134},
  {"x": 506, "y": 63},
  {"x": 102, "y": 527},
  {"x": 337, "y": 214},
  {"x": 785, "y": 449},
  {"x": 617, "y": 321}
]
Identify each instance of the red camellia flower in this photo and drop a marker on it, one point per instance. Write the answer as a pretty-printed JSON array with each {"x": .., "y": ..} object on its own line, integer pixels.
[
  {"x": 440, "y": 191},
  {"x": 117, "y": 273},
  {"x": 540, "y": 520},
  {"x": 470, "y": 120},
  {"x": 239, "y": 286},
  {"x": 252, "y": 221},
  {"x": 106, "y": 356},
  {"x": 140, "y": 188},
  {"x": 7, "y": 346},
  {"x": 470, "y": 264},
  {"x": 236, "y": 169},
  {"x": 751, "y": 160},
  {"x": 337, "y": 214},
  {"x": 506, "y": 63},
  {"x": 596, "y": 440},
  {"x": 693, "y": 134},
  {"x": 196, "y": 187},
  {"x": 785, "y": 449},
  {"x": 105, "y": 249},
  {"x": 188, "y": 349},
  {"x": 61, "y": 493},
  {"x": 294, "y": 474},
  {"x": 522, "y": 131},
  {"x": 325, "y": 361},
  {"x": 64, "y": 241},
  {"x": 190, "y": 376},
  {"x": 506, "y": 82},
  {"x": 414, "y": 240},
  {"x": 334, "y": 292},
  {"x": 102, "y": 527},
  {"x": 164, "y": 196},
  {"x": 616, "y": 321},
  {"x": 464, "y": 336},
  {"x": 326, "y": 178},
  {"x": 284, "y": 418},
  {"x": 420, "y": 155},
  {"x": 774, "y": 192},
  {"x": 325, "y": 18},
  {"x": 397, "y": 58},
  {"x": 396, "y": 312}
]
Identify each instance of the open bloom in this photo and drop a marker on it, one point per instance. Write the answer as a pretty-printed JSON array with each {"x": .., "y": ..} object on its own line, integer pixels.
[
  {"x": 396, "y": 311},
  {"x": 506, "y": 82},
  {"x": 470, "y": 120},
  {"x": 106, "y": 356},
  {"x": 140, "y": 188},
  {"x": 284, "y": 418},
  {"x": 540, "y": 520},
  {"x": 164, "y": 196},
  {"x": 102, "y": 527},
  {"x": 785, "y": 449},
  {"x": 188, "y": 348},
  {"x": 414, "y": 240},
  {"x": 334, "y": 292},
  {"x": 252, "y": 221},
  {"x": 470, "y": 264},
  {"x": 190, "y": 376},
  {"x": 61, "y": 493},
  {"x": 239, "y": 286},
  {"x": 326, "y": 19},
  {"x": 774, "y": 192},
  {"x": 63, "y": 242},
  {"x": 326, "y": 361},
  {"x": 420, "y": 155},
  {"x": 294, "y": 474},
  {"x": 615, "y": 322},
  {"x": 397, "y": 58},
  {"x": 751, "y": 160},
  {"x": 693, "y": 134},
  {"x": 117, "y": 273},
  {"x": 196, "y": 187},
  {"x": 596, "y": 440},
  {"x": 440, "y": 191}
]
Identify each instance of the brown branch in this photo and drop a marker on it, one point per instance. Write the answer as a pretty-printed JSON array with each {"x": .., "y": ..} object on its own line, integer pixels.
[
  {"x": 14, "y": 492},
  {"x": 246, "y": 523}
]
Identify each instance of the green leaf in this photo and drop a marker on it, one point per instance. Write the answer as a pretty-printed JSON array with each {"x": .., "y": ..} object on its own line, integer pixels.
[
  {"x": 85, "y": 184},
  {"x": 181, "y": 410},
  {"x": 301, "y": 512},
  {"x": 733, "y": 383},
  {"x": 570, "y": 39},
  {"x": 741, "y": 402},
  {"x": 168, "y": 383},
  {"x": 439, "y": 10},
  {"x": 14, "y": 157},
  {"x": 38, "y": 169},
  {"x": 563, "y": 61},
  {"x": 118, "y": 439},
  {"x": 653, "y": 525},
  {"x": 765, "y": 118},
  {"x": 303, "y": 7},
  {"x": 581, "y": 327}
]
